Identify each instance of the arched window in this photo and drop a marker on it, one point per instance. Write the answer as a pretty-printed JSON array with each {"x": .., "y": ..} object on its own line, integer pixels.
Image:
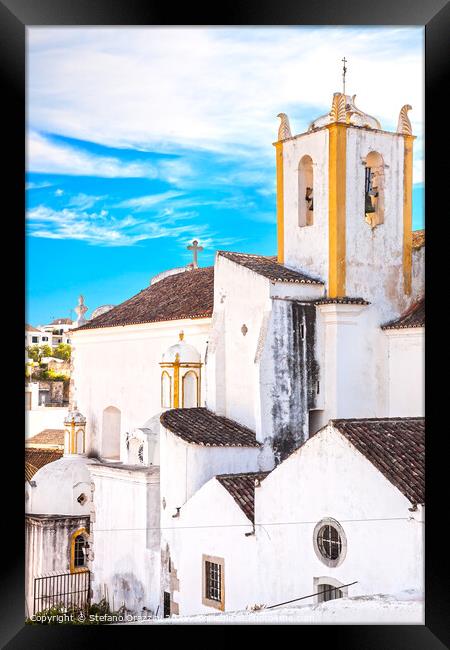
[
  {"x": 305, "y": 192},
  {"x": 111, "y": 433},
  {"x": 374, "y": 189},
  {"x": 190, "y": 389},
  {"x": 80, "y": 441},
  {"x": 166, "y": 390},
  {"x": 327, "y": 588},
  {"x": 79, "y": 551}
]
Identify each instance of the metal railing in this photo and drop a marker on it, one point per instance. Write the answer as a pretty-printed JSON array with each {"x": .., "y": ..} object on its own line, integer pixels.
[{"x": 62, "y": 590}]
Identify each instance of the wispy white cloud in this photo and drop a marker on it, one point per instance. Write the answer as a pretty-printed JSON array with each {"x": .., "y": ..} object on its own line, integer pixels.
[
  {"x": 140, "y": 203},
  {"x": 45, "y": 155},
  {"x": 103, "y": 229},
  {"x": 213, "y": 88},
  {"x": 83, "y": 201},
  {"x": 37, "y": 186}
]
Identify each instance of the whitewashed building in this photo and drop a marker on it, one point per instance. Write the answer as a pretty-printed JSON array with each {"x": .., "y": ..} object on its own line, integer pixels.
[{"x": 246, "y": 419}]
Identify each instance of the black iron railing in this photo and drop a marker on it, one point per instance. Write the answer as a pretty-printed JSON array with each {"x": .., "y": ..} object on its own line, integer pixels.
[{"x": 69, "y": 590}]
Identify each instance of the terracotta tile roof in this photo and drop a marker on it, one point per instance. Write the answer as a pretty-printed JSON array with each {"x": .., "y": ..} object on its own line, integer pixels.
[
  {"x": 414, "y": 317},
  {"x": 268, "y": 267},
  {"x": 189, "y": 294},
  {"x": 200, "y": 426},
  {"x": 30, "y": 328},
  {"x": 242, "y": 489},
  {"x": 341, "y": 301},
  {"x": 47, "y": 438},
  {"x": 418, "y": 238},
  {"x": 37, "y": 458},
  {"x": 395, "y": 446}
]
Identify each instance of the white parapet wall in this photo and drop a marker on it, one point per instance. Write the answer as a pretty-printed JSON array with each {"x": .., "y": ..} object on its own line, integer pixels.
[{"x": 44, "y": 417}]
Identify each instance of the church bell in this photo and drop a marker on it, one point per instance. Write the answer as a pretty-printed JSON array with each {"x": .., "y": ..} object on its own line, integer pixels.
[{"x": 369, "y": 206}]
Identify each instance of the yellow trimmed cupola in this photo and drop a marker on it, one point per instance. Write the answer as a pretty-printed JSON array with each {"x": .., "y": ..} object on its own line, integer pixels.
[
  {"x": 181, "y": 376},
  {"x": 74, "y": 433}
]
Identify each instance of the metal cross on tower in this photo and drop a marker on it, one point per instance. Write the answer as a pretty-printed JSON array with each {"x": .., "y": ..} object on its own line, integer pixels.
[
  {"x": 195, "y": 248},
  {"x": 344, "y": 72}
]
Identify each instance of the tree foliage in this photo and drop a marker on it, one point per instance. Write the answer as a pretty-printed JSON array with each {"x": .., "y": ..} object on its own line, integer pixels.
[
  {"x": 38, "y": 352},
  {"x": 62, "y": 351}
]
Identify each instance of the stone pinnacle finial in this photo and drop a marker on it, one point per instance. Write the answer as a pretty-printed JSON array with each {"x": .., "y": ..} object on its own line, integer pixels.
[
  {"x": 80, "y": 310},
  {"x": 284, "y": 130},
  {"x": 404, "y": 124}
]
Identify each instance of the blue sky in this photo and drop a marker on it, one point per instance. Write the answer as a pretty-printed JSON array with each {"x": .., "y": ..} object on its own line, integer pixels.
[{"x": 141, "y": 139}]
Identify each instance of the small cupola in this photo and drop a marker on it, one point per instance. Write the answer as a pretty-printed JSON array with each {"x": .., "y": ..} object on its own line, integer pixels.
[
  {"x": 74, "y": 433},
  {"x": 181, "y": 375}
]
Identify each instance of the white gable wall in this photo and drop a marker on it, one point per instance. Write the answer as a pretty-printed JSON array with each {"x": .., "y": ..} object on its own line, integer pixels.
[
  {"x": 186, "y": 467},
  {"x": 211, "y": 523},
  {"x": 328, "y": 477},
  {"x": 243, "y": 297}
]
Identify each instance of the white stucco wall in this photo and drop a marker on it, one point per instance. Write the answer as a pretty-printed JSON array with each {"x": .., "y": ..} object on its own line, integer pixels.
[
  {"x": 374, "y": 257},
  {"x": 242, "y": 368},
  {"x": 211, "y": 523},
  {"x": 243, "y": 297},
  {"x": 327, "y": 477},
  {"x": 406, "y": 350},
  {"x": 44, "y": 417},
  {"x": 186, "y": 467},
  {"x": 47, "y": 551},
  {"x": 125, "y": 537},
  {"x": 353, "y": 361},
  {"x": 119, "y": 367},
  {"x": 418, "y": 273},
  {"x": 306, "y": 248}
]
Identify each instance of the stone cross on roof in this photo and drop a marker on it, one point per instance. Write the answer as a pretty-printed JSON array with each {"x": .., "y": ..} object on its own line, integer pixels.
[{"x": 195, "y": 248}]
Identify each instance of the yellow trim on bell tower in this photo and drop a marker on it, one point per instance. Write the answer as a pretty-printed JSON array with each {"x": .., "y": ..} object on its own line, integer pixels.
[
  {"x": 407, "y": 212},
  {"x": 336, "y": 208},
  {"x": 280, "y": 200}
]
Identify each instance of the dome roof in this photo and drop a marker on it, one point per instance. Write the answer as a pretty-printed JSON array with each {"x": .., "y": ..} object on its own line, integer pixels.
[
  {"x": 343, "y": 109},
  {"x": 101, "y": 310},
  {"x": 75, "y": 416},
  {"x": 186, "y": 353},
  {"x": 61, "y": 487}
]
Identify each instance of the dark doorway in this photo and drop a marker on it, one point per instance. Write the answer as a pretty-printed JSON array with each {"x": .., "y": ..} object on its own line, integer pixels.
[{"x": 166, "y": 604}]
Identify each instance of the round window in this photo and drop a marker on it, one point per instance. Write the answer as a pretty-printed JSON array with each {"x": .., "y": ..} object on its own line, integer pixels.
[{"x": 330, "y": 543}]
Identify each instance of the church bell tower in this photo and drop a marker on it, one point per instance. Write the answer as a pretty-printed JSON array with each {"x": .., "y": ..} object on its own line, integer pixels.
[{"x": 344, "y": 202}]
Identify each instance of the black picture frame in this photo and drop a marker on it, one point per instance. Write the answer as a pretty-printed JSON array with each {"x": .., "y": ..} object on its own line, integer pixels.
[{"x": 15, "y": 16}]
